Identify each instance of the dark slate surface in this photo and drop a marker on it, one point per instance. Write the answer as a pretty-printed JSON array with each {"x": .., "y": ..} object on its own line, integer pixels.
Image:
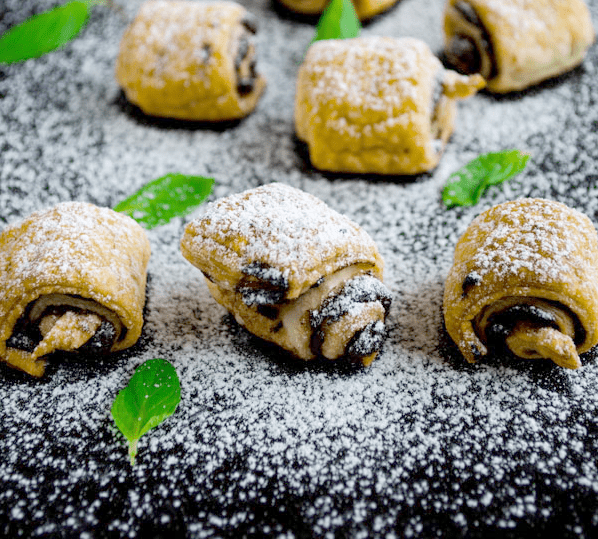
[{"x": 419, "y": 444}]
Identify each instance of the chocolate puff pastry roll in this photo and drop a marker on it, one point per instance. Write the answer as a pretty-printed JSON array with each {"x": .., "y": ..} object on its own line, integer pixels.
[
  {"x": 293, "y": 272},
  {"x": 365, "y": 9},
  {"x": 525, "y": 279},
  {"x": 72, "y": 278},
  {"x": 191, "y": 61},
  {"x": 514, "y": 44},
  {"x": 377, "y": 105}
]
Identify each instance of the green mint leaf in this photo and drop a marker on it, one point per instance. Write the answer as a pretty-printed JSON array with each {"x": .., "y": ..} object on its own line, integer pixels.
[
  {"x": 44, "y": 32},
  {"x": 465, "y": 186},
  {"x": 159, "y": 201},
  {"x": 152, "y": 395},
  {"x": 338, "y": 21}
]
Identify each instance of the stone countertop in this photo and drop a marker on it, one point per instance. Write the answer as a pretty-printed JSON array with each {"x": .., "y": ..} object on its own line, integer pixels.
[{"x": 419, "y": 444}]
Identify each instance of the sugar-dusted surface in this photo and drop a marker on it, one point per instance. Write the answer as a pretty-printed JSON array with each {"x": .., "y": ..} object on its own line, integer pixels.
[
  {"x": 290, "y": 232},
  {"x": 538, "y": 237},
  {"x": 418, "y": 444},
  {"x": 393, "y": 67}
]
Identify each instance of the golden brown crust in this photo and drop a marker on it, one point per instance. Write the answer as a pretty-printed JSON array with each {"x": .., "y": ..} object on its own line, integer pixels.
[
  {"x": 177, "y": 60},
  {"x": 76, "y": 250},
  {"x": 292, "y": 233},
  {"x": 534, "y": 253},
  {"x": 365, "y": 9},
  {"x": 378, "y": 105},
  {"x": 530, "y": 40},
  {"x": 293, "y": 272}
]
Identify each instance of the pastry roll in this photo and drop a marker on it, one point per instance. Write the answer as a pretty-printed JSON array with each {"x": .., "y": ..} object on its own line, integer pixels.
[
  {"x": 191, "y": 61},
  {"x": 514, "y": 44},
  {"x": 72, "y": 278},
  {"x": 379, "y": 105},
  {"x": 293, "y": 272},
  {"x": 525, "y": 278},
  {"x": 365, "y": 9}
]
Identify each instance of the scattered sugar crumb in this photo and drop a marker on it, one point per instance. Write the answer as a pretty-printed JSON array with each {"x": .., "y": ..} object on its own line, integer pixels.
[{"x": 420, "y": 444}]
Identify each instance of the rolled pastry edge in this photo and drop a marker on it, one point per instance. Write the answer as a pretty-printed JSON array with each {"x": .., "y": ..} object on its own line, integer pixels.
[
  {"x": 130, "y": 319},
  {"x": 460, "y": 324},
  {"x": 210, "y": 90},
  {"x": 73, "y": 276},
  {"x": 292, "y": 327},
  {"x": 501, "y": 54},
  {"x": 348, "y": 136}
]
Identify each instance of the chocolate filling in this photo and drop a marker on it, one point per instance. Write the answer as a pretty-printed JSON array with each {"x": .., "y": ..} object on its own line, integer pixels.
[
  {"x": 472, "y": 279},
  {"x": 269, "y": 311},
  {"x": 102, "y": 340},
  {"x": 361, "y": 289},
  {"x": 245, "y": 63},
  {"x": 367, "y": 341},
  {"x": 206, "y": 52},
  {"x": 500, "y": 325},
  {"x": 262, "y": 285},
  {"x": 437, "y": 94},
  {"x": 26, "y": 334},
  {"x": 465, "y": 52}
]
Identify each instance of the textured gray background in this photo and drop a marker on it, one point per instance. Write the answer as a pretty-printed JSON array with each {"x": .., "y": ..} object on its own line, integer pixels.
[{"x": 419, "y": 444}]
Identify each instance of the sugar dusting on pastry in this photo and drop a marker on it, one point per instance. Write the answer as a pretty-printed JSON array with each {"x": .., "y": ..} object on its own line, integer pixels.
[
  {"x": 60, "y": 256},
  {"x": 543, "y": 248},
  {"x": 293, "y": 272},
  {"x": 389, "y": 72},
  {"x": 525, "y": 15},
  {"x": 525, "y": 275},
  {"x": 418, "y": 445},
  {"x": 377, "y": 105},
  {"x": 283, "y": 229}
]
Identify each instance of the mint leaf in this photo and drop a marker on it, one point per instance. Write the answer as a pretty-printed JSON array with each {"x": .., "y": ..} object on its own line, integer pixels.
[
  {"x": 44, "y": 32},
  {"x": 159, "y": 201},
  {"x": 152, "y": 395},
  {"x": 338, "y": 21},
  {"x": 465, "y": 186}
]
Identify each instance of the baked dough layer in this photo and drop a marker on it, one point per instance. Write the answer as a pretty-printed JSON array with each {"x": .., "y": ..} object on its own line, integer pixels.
[
  {"x": 377, "y": 104},
  {"x": 365, "y": 9},
  {"x": 514, "y": 44},
  {"x": 190, "y": 61},
  {"x": 293, "y": 272},
  {"x": 71, "y": 276},
  {"x": 525, "y": 277}
]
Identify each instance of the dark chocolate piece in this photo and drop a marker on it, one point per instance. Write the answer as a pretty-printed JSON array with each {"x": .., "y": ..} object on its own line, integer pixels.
[
  {"x": 464, "y": 53},
  {"x": 361, "y": 289},
  {"x": 468, "y": 12},
  {"x": 102, "y": 341},
  {"x": 206, "y": 52},
  {"x": 268, "y": 311},
  {"x": 21, "y": 339},
  {"x": 249, "y": 21},
  {"x": 472, "y": 279},
  {"x": 245, "y": 66},
  {"x": 500, "y": 325},
  {"x": 263, "y": 285},
  {"x": 367, "y": 341},
  {"x": 242, "y": 51}
]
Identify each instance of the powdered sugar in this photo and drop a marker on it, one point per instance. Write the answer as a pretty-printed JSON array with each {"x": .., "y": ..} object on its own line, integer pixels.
[
  {"x": 418, "y": 444},
  {"x": 524, "y": 15},
  {"x": 532, "y": 238},
  {"x": 390, "y": 75},
  {"x": 282, "y": 228}
]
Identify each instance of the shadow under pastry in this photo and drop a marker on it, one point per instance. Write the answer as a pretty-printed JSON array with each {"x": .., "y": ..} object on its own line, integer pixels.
[{"x": 190, "y": 61}]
